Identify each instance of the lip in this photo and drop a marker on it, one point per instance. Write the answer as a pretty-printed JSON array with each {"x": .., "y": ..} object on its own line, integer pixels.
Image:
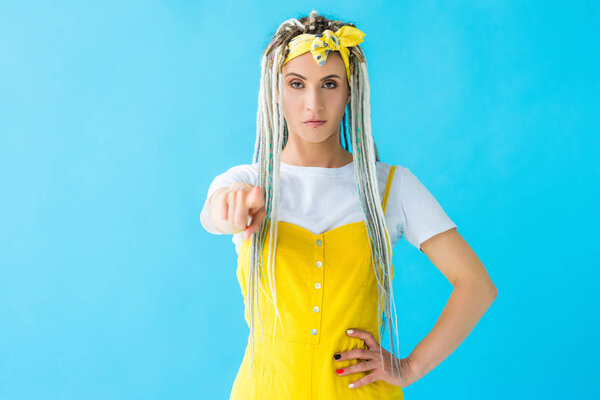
[{"x": 313, "y": 123}]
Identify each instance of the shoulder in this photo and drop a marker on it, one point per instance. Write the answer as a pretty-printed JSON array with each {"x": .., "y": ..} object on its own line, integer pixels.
[
  {"x": 383, "y": 173},
  {"x": 404, "y": 185},
  {"x": 416, "y": 209}
]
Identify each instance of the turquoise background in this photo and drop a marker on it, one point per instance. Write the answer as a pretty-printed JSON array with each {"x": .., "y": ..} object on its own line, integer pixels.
[{"x": 116, "y": 116}]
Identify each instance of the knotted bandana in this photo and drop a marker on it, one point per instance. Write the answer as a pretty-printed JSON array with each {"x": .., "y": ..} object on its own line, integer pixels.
[{"x": 322, "y": 43}]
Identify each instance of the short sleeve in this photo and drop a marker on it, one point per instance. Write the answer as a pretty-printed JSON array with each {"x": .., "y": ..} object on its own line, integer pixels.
[
  {"x": 422, "y": 216},
  {"x": 247, "y": 173}
]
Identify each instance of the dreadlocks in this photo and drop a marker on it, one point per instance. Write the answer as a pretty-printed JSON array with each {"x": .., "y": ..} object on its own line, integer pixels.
[{"x": 271, "y": 137}]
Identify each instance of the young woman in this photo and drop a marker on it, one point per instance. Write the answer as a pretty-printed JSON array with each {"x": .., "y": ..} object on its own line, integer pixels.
[{"x": 314, "y": 225}]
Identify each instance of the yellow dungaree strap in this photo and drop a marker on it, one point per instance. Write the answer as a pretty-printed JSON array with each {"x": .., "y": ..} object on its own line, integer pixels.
[
  {"x": 387, "y": 186},
  {"x": 385, "y": 198}
]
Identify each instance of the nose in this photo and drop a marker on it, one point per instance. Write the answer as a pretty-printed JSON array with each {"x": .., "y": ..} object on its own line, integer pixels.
[{"x": 314, "y": 100}]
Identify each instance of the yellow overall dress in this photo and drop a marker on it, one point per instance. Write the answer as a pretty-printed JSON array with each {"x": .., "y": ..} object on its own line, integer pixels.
[{"x": 325, "y": 284}]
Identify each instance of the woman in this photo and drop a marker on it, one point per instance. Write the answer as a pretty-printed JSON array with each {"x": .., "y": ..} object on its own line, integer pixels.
[{"x": 314, "y": 226}]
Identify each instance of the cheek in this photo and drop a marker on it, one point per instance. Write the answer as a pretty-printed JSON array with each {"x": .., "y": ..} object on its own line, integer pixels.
[
  {"x": 290, "y": 105},
  {"x": 338, "y": 104},
  {"x": 336, "y": 98}
]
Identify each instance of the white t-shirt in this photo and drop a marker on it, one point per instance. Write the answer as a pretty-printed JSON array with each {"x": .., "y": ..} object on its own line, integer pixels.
[{"x": 319, "y": 199}]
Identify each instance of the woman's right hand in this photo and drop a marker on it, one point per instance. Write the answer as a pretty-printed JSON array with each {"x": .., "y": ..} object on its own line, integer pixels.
[{"x": 232, "y": 206}]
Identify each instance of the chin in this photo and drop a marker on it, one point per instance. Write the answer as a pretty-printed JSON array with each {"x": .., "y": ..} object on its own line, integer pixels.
[
  {"x": 310, "y": 135},
  {"x": 316, "y": 138},
  {"x": 313, "y": 140}
]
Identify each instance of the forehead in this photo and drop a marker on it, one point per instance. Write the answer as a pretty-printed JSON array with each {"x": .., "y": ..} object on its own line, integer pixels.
[{"x": 306, "y": 65}]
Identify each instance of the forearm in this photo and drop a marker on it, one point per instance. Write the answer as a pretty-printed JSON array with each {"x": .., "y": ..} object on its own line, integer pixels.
[{"x": 467, "y": 304}]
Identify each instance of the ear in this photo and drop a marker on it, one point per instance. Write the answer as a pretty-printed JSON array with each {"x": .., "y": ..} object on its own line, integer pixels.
[{"x": 349, "y": 96}]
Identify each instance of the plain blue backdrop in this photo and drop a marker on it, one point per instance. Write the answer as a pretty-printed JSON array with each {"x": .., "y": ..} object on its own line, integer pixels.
[{"x": 116, "y": 116}]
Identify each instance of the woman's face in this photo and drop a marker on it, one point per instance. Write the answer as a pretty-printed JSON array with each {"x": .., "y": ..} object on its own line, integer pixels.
[{"x": 316, "y": 92}]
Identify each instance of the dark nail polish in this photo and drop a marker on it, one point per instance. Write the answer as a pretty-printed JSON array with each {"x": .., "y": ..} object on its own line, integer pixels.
[{"x": 337, "y": 356}]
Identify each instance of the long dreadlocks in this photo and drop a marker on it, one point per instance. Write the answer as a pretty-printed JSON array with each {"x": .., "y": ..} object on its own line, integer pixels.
[{"x": 271, "y": 137}]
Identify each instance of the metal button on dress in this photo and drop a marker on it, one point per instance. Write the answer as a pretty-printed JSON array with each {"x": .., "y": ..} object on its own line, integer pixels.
[
  {"x": 316, "y": 309},
  {"x": 317, "y": 285},
  {"x": 314, "y": 331},
  {"x": 319, "y": 264},
  {"x": 319, "y": 242}
]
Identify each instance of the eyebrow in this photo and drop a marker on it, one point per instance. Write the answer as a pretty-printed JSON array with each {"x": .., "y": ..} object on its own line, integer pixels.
[{"x": 323, "y": 78}]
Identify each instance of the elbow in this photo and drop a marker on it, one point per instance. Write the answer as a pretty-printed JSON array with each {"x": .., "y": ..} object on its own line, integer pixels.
[
  {"x": 493, "y": 292},
  {"x": 483, "y": 288}
]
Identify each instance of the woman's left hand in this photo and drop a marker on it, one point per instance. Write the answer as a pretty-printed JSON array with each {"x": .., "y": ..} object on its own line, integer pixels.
[{"x": 380, "y": 371}]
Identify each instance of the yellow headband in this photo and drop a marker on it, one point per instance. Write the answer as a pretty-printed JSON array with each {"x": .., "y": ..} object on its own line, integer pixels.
[{"x": 321, "y": 44}]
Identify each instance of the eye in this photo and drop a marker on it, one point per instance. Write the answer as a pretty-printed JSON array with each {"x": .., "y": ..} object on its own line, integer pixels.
[{"x": 326, "y": 83}]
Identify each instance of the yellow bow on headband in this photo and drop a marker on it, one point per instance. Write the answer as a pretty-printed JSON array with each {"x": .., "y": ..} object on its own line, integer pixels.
[{"x": 322, "y": 43}]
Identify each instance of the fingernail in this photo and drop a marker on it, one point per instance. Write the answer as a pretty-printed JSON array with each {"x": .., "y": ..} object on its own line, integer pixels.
[
  {"x": 351, "y": 386},
  {"x": 337, "y": 356},
  {"x": 339, "y": 371},
  {"x": 349, "y": 331}
]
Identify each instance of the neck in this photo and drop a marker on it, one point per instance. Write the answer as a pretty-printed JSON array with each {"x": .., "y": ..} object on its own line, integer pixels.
[
  {"x": 326, "y": 154},
  {"x": 329, "y": 159}
]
